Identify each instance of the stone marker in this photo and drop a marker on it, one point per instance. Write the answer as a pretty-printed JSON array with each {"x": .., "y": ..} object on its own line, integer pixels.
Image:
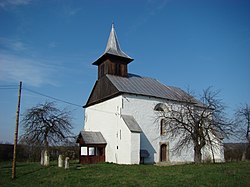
[
  {"x": 60, "y": 161},
  {"x": 46, "y": 158},
  {"x": 42, "y": 157},
  {"x": 67, "y": 163}
]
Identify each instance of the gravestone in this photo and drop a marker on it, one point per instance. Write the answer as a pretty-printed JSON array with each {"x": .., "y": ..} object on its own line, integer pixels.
[
  {"x": 60, "y": 161},
  {"x": 46, "y": 158},
  {"x": 67, "y": 163},
  {"x": 42, "y": 157}
]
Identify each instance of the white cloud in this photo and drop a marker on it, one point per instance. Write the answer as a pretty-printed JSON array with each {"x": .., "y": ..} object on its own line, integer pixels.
[
  {"x": 15, "y": 68},
  {"x": 68, "y": 10},
  {"x": 72, "y": 12},
  {"x": 156, "y": 6},
  {"x": 7, "y": 3},
  {"x": 52, "y": 44},
  {"x": 14, "y": 45},
  {"x": 152, "y": 8}
]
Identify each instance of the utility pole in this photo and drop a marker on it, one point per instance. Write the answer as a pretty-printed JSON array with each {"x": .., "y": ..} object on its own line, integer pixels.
[{"x": 16, "y": 132}]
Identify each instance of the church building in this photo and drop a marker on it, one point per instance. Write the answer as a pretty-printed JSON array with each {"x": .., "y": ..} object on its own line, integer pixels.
[{"x": 121, "y": 121}]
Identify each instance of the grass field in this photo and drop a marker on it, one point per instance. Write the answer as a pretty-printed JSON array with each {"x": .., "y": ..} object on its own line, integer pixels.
[{"x": 32, "y": 174}]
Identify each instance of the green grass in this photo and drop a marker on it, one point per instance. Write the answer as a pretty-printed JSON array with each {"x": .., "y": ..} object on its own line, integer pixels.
[{"x": 32, "y": 174}]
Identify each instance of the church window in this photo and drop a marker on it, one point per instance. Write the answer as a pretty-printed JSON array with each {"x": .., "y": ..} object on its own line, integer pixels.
[
  {"x": 161, "y": 107},
  {"x": 163, "y": 130}
]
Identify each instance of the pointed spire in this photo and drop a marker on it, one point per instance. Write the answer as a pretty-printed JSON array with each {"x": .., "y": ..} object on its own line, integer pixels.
[
  {"x": 113, "y": 46},
  {"x": 113, "y": 50},
  {"x": 112, "y": 41}
]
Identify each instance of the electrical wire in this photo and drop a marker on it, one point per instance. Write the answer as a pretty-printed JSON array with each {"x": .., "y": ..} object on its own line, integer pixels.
[
  {"x": 8, "y": 87},
  {"x": 44, "y": 95},
  {"x": 2, "y": 88}
]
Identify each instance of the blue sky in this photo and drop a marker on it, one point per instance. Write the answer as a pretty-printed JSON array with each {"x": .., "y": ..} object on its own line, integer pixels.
[{"x": 51, "y": 44}]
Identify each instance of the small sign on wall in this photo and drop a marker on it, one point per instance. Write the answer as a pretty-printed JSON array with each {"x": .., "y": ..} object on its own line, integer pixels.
[
  {"x": 91, "y": 151},
  {"x": 84, "y": 151}
]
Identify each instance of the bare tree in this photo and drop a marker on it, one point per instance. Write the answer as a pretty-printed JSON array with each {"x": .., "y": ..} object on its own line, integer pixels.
[
  {"x": 197, "y": 123},
  {"x": 47, "y": 125},
  {"x": 242, "y": 121},
  {"x": 242, "y": 116}
]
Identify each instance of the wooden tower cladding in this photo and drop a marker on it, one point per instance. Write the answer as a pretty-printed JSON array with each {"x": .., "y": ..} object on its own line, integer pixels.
[{"x": 113, "y": 67}]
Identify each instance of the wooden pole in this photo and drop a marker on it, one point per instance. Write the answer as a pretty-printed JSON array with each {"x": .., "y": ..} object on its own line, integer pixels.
[{"x": 16, "y": 131}]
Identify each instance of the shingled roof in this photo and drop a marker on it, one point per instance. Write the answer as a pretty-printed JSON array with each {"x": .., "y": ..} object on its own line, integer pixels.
[
  {"x": 90, "y": 137},
  {"x": 110, "y": 86},
  {"x": 131, "y": 123},
  {"x": 135, "y": 84}
]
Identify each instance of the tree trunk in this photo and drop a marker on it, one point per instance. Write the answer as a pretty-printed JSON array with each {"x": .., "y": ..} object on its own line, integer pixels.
[
  {"x": 212, "y": 150},
  {"x": 197, "y": 154},
  {"x": 46, "y": 153},
  {"x": 199, "y": 142}
]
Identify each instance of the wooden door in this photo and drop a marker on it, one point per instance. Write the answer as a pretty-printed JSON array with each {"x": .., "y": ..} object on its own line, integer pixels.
[{"x": 163, "y": 153}]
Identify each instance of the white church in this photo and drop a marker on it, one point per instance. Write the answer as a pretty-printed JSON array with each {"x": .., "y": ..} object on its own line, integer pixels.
[{"x": 121, "y": 124}]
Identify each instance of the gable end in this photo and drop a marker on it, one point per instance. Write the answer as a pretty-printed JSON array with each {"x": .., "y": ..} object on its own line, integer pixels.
[{"x": 103, "y": 90}]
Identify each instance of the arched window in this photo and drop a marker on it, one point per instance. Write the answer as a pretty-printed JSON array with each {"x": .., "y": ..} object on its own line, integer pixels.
[
  {"x": 161, "y": 107},
  {"x": 163, "y": 130}
]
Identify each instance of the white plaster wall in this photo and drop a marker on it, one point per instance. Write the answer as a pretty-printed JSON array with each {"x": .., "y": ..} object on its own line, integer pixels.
[
  {"x": 142, "y": 108},
  {"x": 135, "y": 148},
  {"x": 123, "y": 143},
  {"x": 218, "y": 151},
  {"x": 106, "y": 118},
  {"x": 185, "y": 155}
]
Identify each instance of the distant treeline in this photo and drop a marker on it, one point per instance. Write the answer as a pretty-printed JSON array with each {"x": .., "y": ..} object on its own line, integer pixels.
[
  {"x": 33, "y": 153},
  {"x": 236, "y": 151}
]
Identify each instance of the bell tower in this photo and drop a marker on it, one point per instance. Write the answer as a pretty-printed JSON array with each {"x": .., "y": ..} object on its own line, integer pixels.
[{"x": 114, "y": 61}]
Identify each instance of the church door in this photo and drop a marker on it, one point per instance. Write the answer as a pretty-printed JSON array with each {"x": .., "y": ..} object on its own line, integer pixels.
[{"x": 163, "y": 156}]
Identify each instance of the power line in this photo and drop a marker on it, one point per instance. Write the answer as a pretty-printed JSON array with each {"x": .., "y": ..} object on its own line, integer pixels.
[
  {"x": 44, "y": 95},
  {"x": 13, "y": 87},
  {"x": 3, "y": 88},
  {"x": 8, "y": 87}
]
